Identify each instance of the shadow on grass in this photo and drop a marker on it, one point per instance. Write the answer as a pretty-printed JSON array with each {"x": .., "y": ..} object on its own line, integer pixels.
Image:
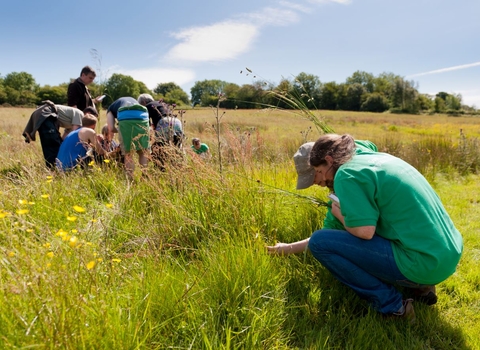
[{"x": 325, "y": 314}]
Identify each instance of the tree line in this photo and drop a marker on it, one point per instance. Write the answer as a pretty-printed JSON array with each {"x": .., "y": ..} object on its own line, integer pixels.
[{"x": 361, "y": 91}]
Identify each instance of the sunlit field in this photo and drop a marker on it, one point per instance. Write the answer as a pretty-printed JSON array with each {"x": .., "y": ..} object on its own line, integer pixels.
[{"x": 176, "y": 259}]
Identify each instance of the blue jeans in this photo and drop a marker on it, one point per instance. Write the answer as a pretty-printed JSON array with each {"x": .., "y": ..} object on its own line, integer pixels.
[{"x": 366, "y": 266}]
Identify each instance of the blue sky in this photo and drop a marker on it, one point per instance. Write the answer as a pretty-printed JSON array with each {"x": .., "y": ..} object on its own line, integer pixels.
[{"x": 433, "y": 42}]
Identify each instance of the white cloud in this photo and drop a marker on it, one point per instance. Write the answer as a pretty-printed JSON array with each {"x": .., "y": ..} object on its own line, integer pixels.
[
  {"x": 273, "y": 16},
  {"x": 231, "y": 38},
  {"x": 295, "y": 6},
  {"x": 344, "y": 2},
  {"x": 443, "y": 70},
  {"x": 216, "y": 42},
  {"x": 153, "y": 76}
]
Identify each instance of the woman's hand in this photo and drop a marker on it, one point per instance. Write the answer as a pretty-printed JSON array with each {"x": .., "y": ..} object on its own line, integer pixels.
[{"x": 280, "y": 249}]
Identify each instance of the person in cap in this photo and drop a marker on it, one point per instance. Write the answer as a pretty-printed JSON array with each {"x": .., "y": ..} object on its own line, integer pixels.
[{"x": 397, "y": 238}]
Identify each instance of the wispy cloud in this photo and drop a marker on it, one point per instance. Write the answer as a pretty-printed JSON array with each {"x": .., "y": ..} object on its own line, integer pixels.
[
  {"x": 295, "y": 6},
  {"x": 344, "y": 2},
  {"x": 270, "y": 16},
  {"x": 153, "y": 76},
  {"x": 231, "y": 38},
  {"x": 216, "y": 42},
  {"x": 443, "y": 70}
]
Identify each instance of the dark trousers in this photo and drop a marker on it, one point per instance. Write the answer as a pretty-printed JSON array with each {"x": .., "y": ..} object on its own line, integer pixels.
[{"x": 51, "y": 140}]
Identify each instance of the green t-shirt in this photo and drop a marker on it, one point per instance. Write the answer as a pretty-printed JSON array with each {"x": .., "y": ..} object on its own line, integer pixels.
[
  {"x": 203, "y": 148},
  {"x": 378, "y": 189},
  {"x": 331, "y": 222}
]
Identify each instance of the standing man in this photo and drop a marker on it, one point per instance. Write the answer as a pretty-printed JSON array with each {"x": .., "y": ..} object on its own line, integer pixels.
[{"x": 78, "y": 94}]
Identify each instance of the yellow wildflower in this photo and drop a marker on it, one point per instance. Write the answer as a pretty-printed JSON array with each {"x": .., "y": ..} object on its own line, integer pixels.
[
  {"x": 73, "y": 231},
  {"x": 48, "y": 181},
  {"x": 22, "y": 201},
  {"x": 116, "y": 260},
  {"x": 22, "y": 211},
  {"x": 99, "y": 259},
  {"x": 31, "y": 203},
  {"x": 73, "y": 241},
  {"x": 4, "y": 214},
  {"x": 49, "y": 177},
  {"x": 106, "y": 160},
  {"x": 47, "y": 245},
  {"x": 92, "y": 163},
  {"x": 71, "y": 218},
  {"x": 45, "y": 196},
  {"x": 50, "y": 254},
  {"x": 11, "y": 254},
  {"x": 109, "y": 205},
  {"x": 61, "y": 233},
  {"x": 78, "y": 209},
  {"x": 91, "y": 265},
  {"x": 29, "y": 230}
]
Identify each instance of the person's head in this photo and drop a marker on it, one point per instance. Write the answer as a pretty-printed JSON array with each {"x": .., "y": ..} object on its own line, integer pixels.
[
  {"x": 145, "y": 99},
  {"x": 87, "y": 75},
  {"x": 196, "y": 142},
  {"x": 90, "y": 110},
  {"x": 306, "y": 174},
  {"x": 89, "y": 121},
  {"x": 106, "y": 135},
  {"x": 329, "y": 153}
]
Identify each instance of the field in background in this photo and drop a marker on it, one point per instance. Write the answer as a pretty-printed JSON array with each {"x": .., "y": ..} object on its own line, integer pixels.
[{"x": 176, "y": 259}]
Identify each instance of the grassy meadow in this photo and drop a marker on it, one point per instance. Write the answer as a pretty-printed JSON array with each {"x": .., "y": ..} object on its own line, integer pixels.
[{"x": 176, "y": 259}]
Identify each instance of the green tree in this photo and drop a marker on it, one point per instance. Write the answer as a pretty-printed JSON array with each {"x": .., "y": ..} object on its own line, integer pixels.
[
  {"x": 439, "y": 105},
  {"x": 328, "y": 97},
  {"x": 172, "y": 93},
  {"x": 20, "y": 88},
  {"x": 164, "y": 88},
  {"x": 307, "y": 87},
  {"x": 231, "y": 99},
  {"x": 206, "y": 92},
  {"x": 375, "y": 102},
  {"x": 56, "y": 94},
  {"x": 177, "y": 96},
  {"x": 120, "y": 85},
  {"x": 3, "y": 94},
  {"x": 20, "y": 81},
  {"x": 425, "y": 102},
  {"x": 454, "y": 102},
  {"x": 354, "y": 97},
  {"x": 403, "y": 95},
  {"x": 367, "y": 80},
  {"x": 249, "y": 96}
]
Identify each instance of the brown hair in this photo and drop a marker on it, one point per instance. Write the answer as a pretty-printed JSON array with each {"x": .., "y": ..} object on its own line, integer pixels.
[
  {"x": 89, "y": 120},
  {"x": 340, "y": 147},
  {"x": 87, "y": 70}
]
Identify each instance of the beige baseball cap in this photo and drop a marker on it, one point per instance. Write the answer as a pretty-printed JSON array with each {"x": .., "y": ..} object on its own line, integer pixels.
[{"x": 305, "y": 172}]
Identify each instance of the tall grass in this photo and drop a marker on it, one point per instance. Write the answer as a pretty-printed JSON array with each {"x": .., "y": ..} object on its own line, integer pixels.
[{"x": 176, "y": 259}]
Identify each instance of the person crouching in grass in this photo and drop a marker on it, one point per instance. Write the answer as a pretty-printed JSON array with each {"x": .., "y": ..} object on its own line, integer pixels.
[{"x": 74, "y": 149}]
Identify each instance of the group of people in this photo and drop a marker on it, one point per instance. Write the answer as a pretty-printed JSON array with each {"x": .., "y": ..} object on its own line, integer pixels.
[
  {"x": 144, "y": 126},
  {"x": 387, "y": 234},
  {"x": 388, "y": 237}
]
